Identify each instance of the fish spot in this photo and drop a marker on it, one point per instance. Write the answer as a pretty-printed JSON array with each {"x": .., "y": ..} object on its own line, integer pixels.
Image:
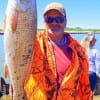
[
  {"x": 15, "y": 72},
  {"x": 23, "y": 98}
]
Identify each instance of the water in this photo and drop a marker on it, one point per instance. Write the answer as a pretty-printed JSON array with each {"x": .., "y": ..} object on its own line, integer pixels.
[
  {"x": 76, "y": 36},
  {"x": 79, "y": 37},
  {"x": 1, "y": 55}
]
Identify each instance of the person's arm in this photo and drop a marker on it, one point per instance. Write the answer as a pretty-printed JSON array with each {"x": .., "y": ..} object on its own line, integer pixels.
[{"x": 97, "y": 63}]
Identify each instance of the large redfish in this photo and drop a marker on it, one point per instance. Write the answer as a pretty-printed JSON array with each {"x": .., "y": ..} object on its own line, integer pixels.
[{"x": 19, "y": 35}]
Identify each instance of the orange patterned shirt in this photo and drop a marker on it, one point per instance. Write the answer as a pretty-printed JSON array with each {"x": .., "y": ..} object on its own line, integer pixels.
[{"x": 41, "y": 83}]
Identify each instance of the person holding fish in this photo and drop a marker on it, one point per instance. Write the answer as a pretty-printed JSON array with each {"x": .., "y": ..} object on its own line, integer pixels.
[
  {"x": 58, "y": 68},
  {"x": 88, "y": 42}
]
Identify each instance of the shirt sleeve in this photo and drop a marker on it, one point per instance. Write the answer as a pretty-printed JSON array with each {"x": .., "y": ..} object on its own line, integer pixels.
[{"x": 84, "y": 85}]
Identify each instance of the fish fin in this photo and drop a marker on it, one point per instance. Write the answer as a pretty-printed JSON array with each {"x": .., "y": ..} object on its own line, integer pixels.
[
  {"x": 4, "y": 24},
  {"x": 6, "y": 71},
  {"x": 13, "y": 21}
]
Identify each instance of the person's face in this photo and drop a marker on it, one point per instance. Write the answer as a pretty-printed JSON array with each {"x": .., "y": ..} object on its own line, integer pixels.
[
  {"x": 92, "y": 42},
  {"x": 53, "y": 27}
]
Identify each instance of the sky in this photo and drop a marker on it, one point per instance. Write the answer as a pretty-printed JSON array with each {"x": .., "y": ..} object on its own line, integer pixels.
[{"x": 80, "y": 13}]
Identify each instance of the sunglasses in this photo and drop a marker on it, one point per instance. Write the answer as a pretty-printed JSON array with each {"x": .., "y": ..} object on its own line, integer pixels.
[{"x": 58, "y": 19}]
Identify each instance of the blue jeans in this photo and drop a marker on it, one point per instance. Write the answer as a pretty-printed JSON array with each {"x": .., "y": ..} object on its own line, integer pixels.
[{"x": 93, "y": 80}]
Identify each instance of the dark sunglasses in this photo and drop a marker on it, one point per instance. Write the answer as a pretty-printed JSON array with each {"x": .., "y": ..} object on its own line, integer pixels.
[{"x": 58, "y": 19}]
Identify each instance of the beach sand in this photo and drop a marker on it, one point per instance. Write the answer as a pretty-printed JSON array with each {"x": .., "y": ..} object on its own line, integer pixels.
[
  {"x": 5, "y": 97},
  {"x": 96, "y": 97}
]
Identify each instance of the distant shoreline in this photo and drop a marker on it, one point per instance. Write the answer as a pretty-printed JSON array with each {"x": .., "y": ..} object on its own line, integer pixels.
[
  {"x": 80, "y": 31},
  {"x": 69, "y": 31}
]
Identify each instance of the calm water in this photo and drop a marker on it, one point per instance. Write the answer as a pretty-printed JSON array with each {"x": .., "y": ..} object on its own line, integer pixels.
[
  {"x": 1, "y": 55},
  {"x": 76, "y": 36}
]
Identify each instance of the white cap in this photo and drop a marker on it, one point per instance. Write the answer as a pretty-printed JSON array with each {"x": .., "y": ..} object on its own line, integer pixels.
[{"x": 55, "y": 6}]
